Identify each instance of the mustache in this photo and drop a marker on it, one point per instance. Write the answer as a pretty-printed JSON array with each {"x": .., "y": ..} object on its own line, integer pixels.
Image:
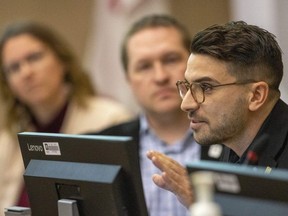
[
  {"x": 191, "y": 115},
  {"x": 195, "y": 118}
]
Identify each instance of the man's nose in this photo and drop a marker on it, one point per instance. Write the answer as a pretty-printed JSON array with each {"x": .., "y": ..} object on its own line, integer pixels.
[
  {"x": 160, "y": 72},
  {"x": 189, "y": 103}
]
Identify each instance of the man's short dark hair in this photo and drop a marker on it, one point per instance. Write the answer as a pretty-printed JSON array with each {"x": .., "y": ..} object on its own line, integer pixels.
[
  {"x": 250, "y": 51},
  {"x": 154, "y": 21}
]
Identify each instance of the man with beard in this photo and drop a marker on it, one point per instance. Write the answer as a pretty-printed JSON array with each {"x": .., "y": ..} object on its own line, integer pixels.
[{"x": 231, "y": 95}]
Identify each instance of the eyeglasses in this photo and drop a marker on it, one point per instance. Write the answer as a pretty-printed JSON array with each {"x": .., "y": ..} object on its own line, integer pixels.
[
  {"x": 32, "y": 59},
  {"x": 198, "y": 89}
]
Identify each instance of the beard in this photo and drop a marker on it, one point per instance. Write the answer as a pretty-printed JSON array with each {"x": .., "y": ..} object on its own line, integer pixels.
[{"x": 230, "y": 122}]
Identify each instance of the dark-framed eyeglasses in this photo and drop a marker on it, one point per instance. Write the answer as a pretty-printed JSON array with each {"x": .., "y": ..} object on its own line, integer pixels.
[{"x": 198, "y": 89}]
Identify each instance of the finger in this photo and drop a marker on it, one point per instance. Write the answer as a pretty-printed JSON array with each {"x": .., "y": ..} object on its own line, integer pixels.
[
  {"x": 162, "y": 161},
  {"x": 182, "y": 189},
  {"x": 158, "y": 180},
  {"x": 166, "y": 164}
]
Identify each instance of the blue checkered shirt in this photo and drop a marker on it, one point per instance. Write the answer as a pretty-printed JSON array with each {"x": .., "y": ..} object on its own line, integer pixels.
[{"x": 161, "y": 202}]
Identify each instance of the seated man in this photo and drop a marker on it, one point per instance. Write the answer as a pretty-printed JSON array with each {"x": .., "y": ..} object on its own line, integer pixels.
[{"x": 154, "y": 55}]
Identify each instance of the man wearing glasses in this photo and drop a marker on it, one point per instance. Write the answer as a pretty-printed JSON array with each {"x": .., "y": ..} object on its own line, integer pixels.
[{"x": 231, "y": 95}]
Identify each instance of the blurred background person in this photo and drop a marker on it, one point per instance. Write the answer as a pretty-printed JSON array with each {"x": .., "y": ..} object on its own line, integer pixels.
[
  {"x": 154, "y": 55},
  {"x": 44, "y": 89}
]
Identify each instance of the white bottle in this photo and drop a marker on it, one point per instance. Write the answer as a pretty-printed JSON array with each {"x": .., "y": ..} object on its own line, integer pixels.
[{"x": 203, "y": 186}]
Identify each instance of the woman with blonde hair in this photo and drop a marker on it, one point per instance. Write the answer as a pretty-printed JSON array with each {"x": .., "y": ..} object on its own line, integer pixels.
[{"x": 45, "y": 89}]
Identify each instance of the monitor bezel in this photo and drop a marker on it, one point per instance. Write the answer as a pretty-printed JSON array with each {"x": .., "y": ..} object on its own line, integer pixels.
[
  {"x": 95, "y": 149},
  {"x": 245, "y": 189}
]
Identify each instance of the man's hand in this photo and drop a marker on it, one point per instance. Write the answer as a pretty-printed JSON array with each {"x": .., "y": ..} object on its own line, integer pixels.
[{"x": 174, "y": 177}]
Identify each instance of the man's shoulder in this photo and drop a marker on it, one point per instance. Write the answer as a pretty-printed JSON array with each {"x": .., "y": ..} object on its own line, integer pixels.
[{"x": 280, "y": 111}]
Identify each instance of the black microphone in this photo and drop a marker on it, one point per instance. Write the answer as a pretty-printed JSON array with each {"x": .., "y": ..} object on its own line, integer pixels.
[{"x": 253, "y": 154}]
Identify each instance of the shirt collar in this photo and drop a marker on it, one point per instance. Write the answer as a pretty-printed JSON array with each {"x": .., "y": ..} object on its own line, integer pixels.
[
  {"x": 178, "y": 146},
  {"x": 144, "y": 126}
]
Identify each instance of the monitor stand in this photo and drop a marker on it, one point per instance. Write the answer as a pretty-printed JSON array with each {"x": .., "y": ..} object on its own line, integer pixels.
[
  {"x": 67, "y": 207},
  {"x": 17, "y": 211}
]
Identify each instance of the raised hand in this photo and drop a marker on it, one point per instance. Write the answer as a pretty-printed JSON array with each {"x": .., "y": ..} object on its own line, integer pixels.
[{"x": 174, "y": 177}]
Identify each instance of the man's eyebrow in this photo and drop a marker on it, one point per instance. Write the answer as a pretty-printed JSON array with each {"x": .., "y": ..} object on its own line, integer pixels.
[{"x": 203, "y": 79}]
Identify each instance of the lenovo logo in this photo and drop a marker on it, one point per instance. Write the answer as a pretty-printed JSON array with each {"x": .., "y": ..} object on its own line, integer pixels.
[{"x": 36, "y": 148}]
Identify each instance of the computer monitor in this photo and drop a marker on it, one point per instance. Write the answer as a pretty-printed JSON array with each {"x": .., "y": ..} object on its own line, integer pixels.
[
  {"x": 246, "y": 190},
  {"x": 101, "y": 173}
]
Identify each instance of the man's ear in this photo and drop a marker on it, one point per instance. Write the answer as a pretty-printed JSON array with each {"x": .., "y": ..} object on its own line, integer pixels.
[{"x": 259, "y": 94}]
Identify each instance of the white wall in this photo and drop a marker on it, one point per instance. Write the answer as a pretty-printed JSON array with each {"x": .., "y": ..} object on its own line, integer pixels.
[
  {"x": 103, "y": 52},
  {"x": 271, "y": 15}
]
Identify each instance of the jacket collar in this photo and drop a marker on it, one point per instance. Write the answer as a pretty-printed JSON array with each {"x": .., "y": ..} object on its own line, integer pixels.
[{"x": 276, "y": 127}]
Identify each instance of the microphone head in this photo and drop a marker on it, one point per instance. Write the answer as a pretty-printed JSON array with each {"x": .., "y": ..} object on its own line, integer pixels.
[
  {"x": 252, "y": 158},
  {"x": 256, "y": 151}
]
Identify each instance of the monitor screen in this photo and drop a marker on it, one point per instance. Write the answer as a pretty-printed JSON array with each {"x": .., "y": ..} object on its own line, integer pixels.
[
  {"x": 101, "y": 173},
  {"x": 246, "y": 190}
]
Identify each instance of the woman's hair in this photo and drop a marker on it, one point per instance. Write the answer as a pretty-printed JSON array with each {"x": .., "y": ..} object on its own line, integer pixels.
[{"x": 76, "y": 77}]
